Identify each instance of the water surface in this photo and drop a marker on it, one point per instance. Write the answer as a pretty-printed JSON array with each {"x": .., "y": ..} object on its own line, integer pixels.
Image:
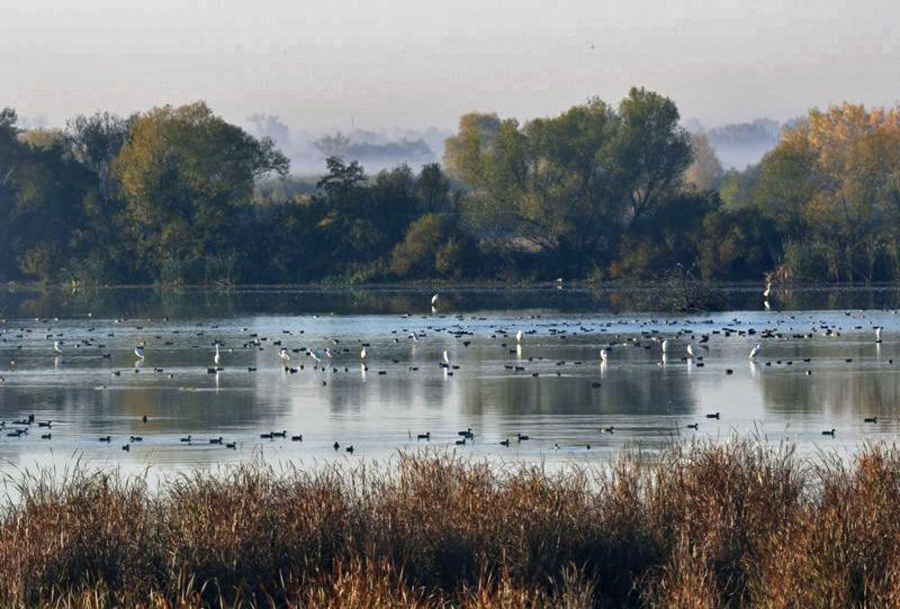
[{"x": 820, "y": 368}]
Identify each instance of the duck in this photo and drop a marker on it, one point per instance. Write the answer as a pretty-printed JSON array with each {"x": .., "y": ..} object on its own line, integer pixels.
[{"x": 831, "y": 432}]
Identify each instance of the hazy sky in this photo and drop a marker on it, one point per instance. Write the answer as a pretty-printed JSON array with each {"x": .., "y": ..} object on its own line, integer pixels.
[{"x": 424, "y": 62}]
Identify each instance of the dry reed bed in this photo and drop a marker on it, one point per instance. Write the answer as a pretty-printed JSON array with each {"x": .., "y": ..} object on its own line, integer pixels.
[{"x": 734, "y": 524}]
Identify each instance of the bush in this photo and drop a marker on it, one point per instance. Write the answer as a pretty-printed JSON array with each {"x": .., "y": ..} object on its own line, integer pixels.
[{"x": 433, "y": 246}]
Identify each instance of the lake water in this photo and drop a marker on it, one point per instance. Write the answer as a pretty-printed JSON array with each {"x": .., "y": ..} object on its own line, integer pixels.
[{"x": 820, "y": 368}]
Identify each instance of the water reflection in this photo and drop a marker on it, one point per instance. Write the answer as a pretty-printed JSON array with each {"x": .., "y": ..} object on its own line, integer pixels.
[
  {"x": 186, "y": 303},
  {"x": 816, "y": 370}
]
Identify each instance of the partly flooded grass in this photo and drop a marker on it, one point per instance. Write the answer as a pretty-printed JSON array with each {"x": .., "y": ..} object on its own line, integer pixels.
[{"x": 730, "y": 524}]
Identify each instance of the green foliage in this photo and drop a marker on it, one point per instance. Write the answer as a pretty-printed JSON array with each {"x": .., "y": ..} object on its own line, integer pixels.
[
  {"x": 178, "y": 195},
  {"x": 183, "y": 172},
  {"x": 433, "y": 246}
]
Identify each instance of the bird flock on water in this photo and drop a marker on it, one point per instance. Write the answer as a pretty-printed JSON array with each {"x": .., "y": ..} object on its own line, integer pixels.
[{"x": 323, "y": 359}]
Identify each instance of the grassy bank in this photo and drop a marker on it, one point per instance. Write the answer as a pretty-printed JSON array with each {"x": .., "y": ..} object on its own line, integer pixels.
[{"x": 727, "y": 525}]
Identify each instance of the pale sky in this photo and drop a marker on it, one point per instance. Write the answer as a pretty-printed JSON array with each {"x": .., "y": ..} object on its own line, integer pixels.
[{"x": 415, "y": 63}]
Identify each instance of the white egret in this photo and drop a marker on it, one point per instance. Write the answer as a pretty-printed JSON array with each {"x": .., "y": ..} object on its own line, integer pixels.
[
  {"x": 519, "y": 336},
  {"x": 755, "y": 351},
  {"x": 878, "y": 334},
  {"x": 665, "y": 346},
  {"x": 362, "y": 354},
  {"x": 690, "y": 350},
  {"x": 315, "y": 356},
  {"x": 434, "y": 300},
  {"x": 217, "y": 358},
  {"x": 285, "y": 356},
  {"x": 768, "y": 290},
  {"x": 57, "y": 347},
  {"x": 139, "y": 350},
  {"x": 446, "y": 358},
  {"x": 604, "y": 355}
]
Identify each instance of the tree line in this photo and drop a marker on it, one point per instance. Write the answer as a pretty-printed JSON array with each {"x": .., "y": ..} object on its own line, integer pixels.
[{"x": 177, "y": 195}]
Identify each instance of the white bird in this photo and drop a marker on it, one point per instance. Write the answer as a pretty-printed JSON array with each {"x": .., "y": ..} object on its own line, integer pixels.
[
  {"x": 755, "y": 351},
  {"x": 446, "y": 358},
  {"x": 690, "y": 350},
  {"x": 285, "y": 356},
  {"x": 768, "y": 290},
  {"x": 665, "y": 345},
  {"x": 878, "y": 334},
  {"x": 139, "y": 350},
  {"x": 328, "y": 353},
  {"x": 217, "y": 358},
  {"x": 434, "y": 300},
  {"x": 604, "y": 355},
  {"x": 414, "y": 338},
  {"x": 315, "y": 356},
  {"x": 519, "y": 336},
  {"x": 56, "y": 347},
  {"x": 362, "y": 354}
]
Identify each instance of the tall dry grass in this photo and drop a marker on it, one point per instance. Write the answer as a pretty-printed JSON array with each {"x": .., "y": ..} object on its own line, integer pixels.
[{"x": 733, "y": 524}]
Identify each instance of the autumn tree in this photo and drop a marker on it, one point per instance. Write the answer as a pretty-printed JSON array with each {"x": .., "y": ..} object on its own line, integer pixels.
[
  {"x": 183, "y": 173},
  {"x": 834, "y": 181}
]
